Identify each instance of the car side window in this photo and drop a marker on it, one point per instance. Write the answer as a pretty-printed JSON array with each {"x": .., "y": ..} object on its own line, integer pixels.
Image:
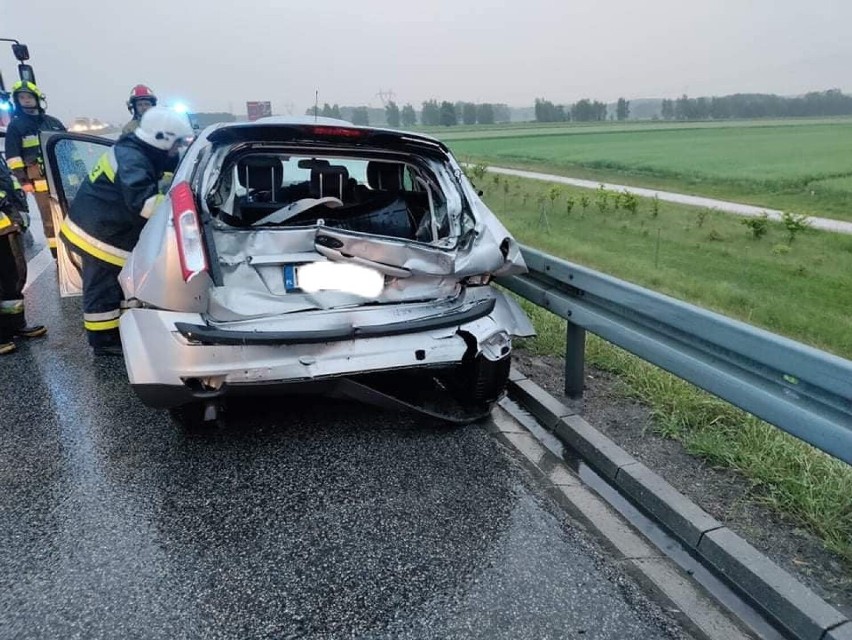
[{"x": 77, "y": 160}]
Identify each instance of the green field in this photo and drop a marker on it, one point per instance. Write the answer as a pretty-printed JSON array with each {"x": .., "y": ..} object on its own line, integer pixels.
[
  {"x": 801, "y": 289},
  {"x": 804, "y": 166}
]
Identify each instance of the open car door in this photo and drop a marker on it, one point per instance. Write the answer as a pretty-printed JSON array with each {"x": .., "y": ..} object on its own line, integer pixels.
[{"x": 69, "y": 159}]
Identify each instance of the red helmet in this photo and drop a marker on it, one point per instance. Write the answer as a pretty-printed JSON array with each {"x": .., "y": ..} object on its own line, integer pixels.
[{"x": 140, "y": 92}]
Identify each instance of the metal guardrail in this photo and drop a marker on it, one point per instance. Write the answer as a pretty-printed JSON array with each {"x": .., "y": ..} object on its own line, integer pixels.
[{"x": 802, "y": 390}]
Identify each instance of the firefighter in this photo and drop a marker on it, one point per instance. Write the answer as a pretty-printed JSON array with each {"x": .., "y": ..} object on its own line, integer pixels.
[
  {"x": 141, "y": 99},
  {"x": 109, "y": 212},
  {"x": 23, "y": 150},
  {"x": 13, "y": 263}
]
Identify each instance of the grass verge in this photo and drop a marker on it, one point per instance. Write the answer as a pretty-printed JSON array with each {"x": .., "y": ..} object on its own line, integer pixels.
[
  {"x": 800, "y": 288},
  {"x": 792, "y": 477},
  {"x": 821, "y": 197}
]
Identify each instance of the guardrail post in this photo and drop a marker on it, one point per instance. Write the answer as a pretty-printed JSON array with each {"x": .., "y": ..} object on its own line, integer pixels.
[{"x": 575, "y": 357}]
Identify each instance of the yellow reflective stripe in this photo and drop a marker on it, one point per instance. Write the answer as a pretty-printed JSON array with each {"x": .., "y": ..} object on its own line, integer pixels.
[
  {"x": 15, "y": 183},
  {"x": 106, "y": 165},
  {"x": 26, "y": 85},
  {"x": 104, "y": 325},
  {"x": 11, "y": 307},
  {"x": 40, "y": 185},
  {"x": 51, "y": 243},
  {"x": 4, "y": 221},
  {"x": 93, "y": 246},
  {"x": 30, "y": 141},
  {"x": 15, "y": 163}
]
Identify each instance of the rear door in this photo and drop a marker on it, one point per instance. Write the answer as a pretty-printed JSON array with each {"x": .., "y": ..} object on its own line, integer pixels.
[{"x": 69, "y": 158}]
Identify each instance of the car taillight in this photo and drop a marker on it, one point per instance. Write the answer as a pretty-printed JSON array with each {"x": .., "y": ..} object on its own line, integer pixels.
[
  {"x": 336, "y": 132},
  {"x": 193, "y": 259}
]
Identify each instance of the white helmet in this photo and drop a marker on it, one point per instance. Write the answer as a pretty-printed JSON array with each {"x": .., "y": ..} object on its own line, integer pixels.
[{"x": 161, "y": 127}]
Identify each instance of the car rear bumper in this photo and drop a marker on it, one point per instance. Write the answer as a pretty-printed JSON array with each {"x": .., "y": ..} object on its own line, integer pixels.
[{"x": 173, "y": 358}]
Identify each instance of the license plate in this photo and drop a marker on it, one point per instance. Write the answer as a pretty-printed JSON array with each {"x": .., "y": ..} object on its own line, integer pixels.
[{"x": 291, "y": 277}]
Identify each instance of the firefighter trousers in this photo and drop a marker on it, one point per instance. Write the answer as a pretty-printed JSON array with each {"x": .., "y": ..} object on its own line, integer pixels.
[
  {"x": 102, "y": 298},
  {"x": 13, "y": 277},
  {"x": 42, "y": 198}
]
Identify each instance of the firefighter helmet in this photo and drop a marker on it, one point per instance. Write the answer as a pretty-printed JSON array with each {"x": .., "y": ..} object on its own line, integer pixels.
[
  {"x": 161, "y": 128},
  {"x": 140, "y": 92},
  {"x": 24, "y": 86}
]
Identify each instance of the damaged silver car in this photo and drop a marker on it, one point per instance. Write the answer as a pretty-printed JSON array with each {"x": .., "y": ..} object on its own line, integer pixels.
[{"x": 306, "y": 254}]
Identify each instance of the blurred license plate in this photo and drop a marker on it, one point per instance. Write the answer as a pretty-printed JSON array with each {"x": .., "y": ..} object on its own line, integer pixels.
[{"x": 291, "y": 277}]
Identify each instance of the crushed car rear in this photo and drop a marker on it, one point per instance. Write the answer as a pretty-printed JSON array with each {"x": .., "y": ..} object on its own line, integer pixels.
[{"x": 290, "y": 252}]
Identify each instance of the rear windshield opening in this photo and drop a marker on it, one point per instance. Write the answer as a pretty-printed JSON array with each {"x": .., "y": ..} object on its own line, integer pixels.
[{"x": 410, "y": 200}]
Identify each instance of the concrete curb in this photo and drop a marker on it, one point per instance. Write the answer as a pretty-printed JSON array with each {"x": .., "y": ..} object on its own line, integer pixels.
[{"x": 783, "y": 599}]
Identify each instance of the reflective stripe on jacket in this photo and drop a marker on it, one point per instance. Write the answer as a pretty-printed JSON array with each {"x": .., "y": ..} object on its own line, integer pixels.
[{"x": 22, "y": 141}]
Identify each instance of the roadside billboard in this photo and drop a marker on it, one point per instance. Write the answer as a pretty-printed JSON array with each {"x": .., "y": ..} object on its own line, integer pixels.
[{"x": 257, "y": 110}]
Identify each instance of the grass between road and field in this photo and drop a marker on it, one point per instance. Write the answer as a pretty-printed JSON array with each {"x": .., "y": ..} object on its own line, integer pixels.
[
  {"x": 802, "y": 166},
  {"x": 792, "y": 477},
  {"x": 800, "y": 288}
]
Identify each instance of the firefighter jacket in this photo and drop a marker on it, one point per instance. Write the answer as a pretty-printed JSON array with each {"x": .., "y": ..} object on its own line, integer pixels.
[
  {"x": 10, "y": 198},
  {"x": 114, "y": 202},
  {"x": 22, "y": 144}
]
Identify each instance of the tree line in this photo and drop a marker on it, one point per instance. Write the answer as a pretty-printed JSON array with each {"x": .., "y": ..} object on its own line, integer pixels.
[
  {"x": 757, "y": 105},
  {"x": 584, "y": 110},
  {"x": 742, "y": 106},
  {"x": 432, "y": 113}
]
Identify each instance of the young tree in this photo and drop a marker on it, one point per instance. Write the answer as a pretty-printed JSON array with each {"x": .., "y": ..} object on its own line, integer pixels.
[
  {"x": 622, "y": 109},
  {"x": 447, "y": 115},
  {"x": 408, "y": 116},
  {"x": 667, "y": 111},
  {"x": 326, "y": 111},
  {"x": 335, "y": 111},
  {"x": 392, "y": 114}
]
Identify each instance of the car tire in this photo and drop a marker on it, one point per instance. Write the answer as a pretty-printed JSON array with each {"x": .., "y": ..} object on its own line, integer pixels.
[
  {"x": 193, "y": 416},
  {"x": 480, "y": 381}
]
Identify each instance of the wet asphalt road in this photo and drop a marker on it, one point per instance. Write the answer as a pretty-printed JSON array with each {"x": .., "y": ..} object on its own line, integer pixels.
[{"x": 302, "y": 518}]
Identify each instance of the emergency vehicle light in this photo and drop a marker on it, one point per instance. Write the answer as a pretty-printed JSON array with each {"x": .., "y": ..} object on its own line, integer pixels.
[{"x": 193, "y": 259}]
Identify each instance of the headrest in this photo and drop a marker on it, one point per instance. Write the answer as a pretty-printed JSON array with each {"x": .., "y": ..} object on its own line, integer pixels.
[
  {"x": 384, "y": 176},
  {"x": 330, "y": 180},
  {"x": 260, "y": 173}
]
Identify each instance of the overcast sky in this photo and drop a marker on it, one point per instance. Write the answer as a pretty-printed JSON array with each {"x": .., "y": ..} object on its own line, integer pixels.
[{"x": 214, "y": 57}]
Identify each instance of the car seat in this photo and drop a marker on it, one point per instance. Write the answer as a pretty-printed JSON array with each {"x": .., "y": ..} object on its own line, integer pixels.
[{"x": 262, "y": 177}]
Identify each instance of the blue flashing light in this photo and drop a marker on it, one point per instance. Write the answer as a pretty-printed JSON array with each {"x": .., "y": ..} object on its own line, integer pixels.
[
  {"x": 5, "y": 106},
  {"x": 180, "y": 107}
]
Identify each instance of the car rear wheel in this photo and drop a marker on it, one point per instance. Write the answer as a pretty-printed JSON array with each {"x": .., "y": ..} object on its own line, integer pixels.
[{"x": 480, "y": 380}]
